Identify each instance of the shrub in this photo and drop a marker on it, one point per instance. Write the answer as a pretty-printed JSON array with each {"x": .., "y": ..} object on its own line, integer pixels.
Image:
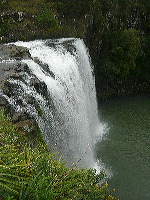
[
  {"x": 47, "y": 18},
  {"x": 36, "y": 174},
  {"x": 125, "y": 51},
  {"x": 122, "y": 49},
  {"x": 3, "y": 29}
]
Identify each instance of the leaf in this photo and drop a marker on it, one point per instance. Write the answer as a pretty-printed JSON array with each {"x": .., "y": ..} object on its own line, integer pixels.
[{"x": 7, "y": 188}]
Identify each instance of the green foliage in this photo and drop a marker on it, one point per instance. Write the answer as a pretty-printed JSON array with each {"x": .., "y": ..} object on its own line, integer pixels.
[
  {"x": 13, "y": 170},
  {"x": 120, "y": 53},
  {"x": 3, "y": 29},
  {"x": 9, "y": 133},
  {"x": 34, "y": 173},
  {"x": 117, "y": 39},
  {"x": 40, "y": 112},
  {"x": 143, "y": 62},
  {"x": 117, "y": 32},
  {"x": 76, "y": 7},
  {"x": 125, "y": 48},
  {"x": 47, "y": 18}
]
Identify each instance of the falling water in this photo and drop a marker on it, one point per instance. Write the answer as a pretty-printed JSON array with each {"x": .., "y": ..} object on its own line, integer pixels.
[{"x": 67, "y": 102}]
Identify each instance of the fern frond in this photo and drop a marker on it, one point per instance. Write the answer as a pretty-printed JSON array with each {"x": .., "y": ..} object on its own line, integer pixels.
[{"x": 8, "y": 188}]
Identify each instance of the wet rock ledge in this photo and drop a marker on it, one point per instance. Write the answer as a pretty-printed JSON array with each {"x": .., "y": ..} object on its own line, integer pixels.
[{"x": 15, "y": 71}]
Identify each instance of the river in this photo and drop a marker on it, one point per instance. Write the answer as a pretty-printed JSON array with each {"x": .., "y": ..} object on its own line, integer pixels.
[{"x": 125, "y": 149}]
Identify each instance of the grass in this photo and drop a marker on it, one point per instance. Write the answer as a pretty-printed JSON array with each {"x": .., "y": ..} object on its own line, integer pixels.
[{"x": 33, "y": 173}]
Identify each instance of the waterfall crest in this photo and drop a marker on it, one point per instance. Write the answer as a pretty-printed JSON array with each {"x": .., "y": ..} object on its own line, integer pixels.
[{"x": 65, "y": 105}]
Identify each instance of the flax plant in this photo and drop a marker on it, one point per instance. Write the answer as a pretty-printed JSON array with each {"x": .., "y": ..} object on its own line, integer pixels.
[{"x": 33, "y": 173}]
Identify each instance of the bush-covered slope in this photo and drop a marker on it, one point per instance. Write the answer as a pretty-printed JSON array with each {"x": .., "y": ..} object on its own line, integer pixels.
[
  {"x": 30, "y": 171},
  {"x": 116, "y": 32}
]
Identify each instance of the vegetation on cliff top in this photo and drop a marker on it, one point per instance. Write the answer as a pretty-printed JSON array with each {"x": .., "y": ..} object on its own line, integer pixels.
[
  {"x": 116, "y": 32},
  {"x": 30, "y": 171}
]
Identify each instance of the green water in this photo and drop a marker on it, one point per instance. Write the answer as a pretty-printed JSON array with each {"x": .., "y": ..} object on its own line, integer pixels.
[{"x": 126, "y": 147}]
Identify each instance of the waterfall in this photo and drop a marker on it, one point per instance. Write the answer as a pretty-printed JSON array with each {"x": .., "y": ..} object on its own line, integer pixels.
[{"x": 65, "y": 97}]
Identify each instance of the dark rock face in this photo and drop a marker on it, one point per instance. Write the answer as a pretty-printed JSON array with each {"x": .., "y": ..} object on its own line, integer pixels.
[
  {"x": 10, "y": 89},
  {"x": 15, "y": 52},
  {"x": 9, "y": 53},
  {"x": 12, "y": 72},
  {"x": 40, "y": 87},
  {"x": 45, "y": 67},
  {"x": 20, "y": 116},
  {"x": 3, "y": 101},
  {"x": 9, "y": 69}
]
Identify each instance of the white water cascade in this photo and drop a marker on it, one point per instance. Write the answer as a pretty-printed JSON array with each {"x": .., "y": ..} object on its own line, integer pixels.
[{"x": 69, "y": 119}]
